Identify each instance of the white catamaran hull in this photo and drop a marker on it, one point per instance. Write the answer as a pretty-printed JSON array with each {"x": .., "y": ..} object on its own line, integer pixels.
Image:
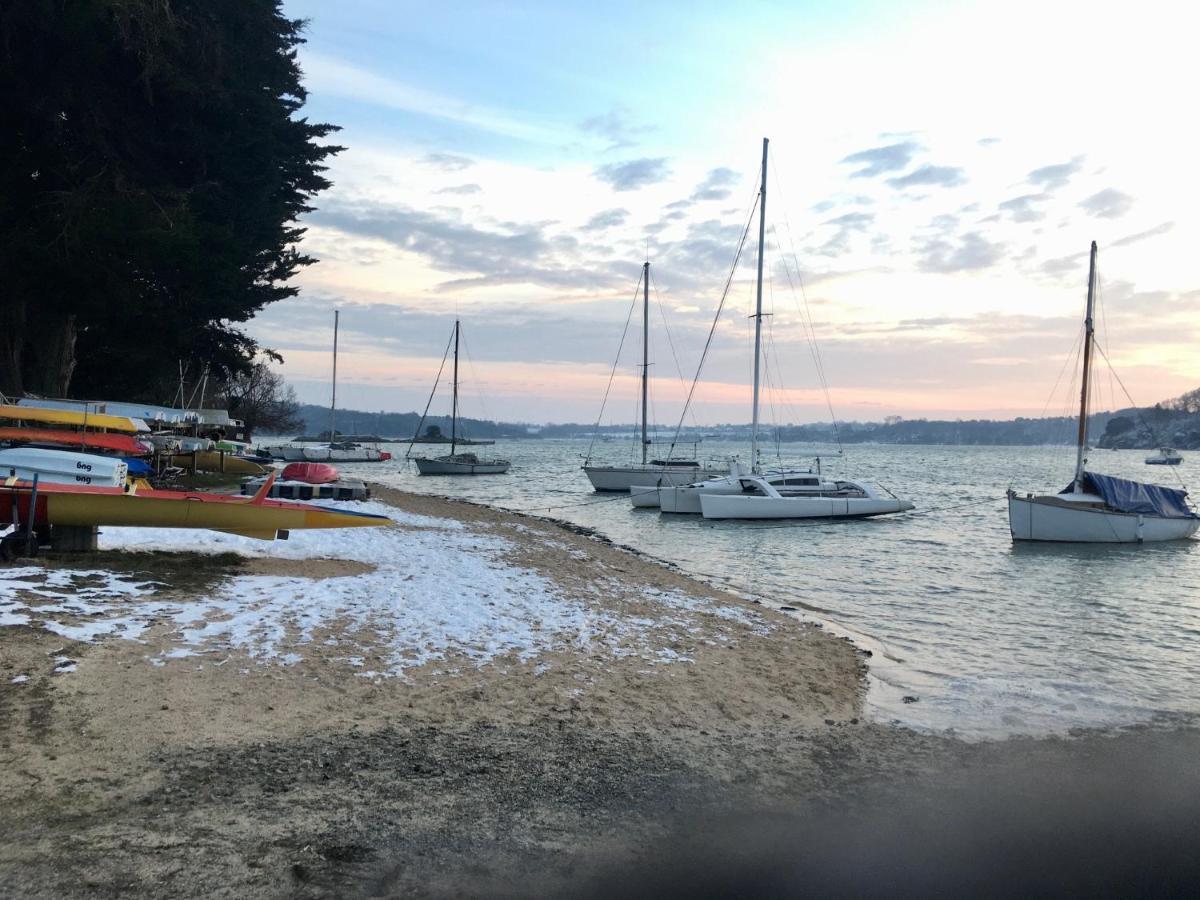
[
  {"x": 1050, "y": 519},
  {"x": 643, "y": 497},
  {"x": 451, "y": 467},
  {"x": 724, "y": 506},
  {"x": 622, "y": 478},
  {"x": 348, "y": 455}
]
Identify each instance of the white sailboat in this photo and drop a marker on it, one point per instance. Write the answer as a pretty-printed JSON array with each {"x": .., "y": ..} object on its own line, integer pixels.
[
  {"x": 1100, "y": 508},
  {"x": 454, "y": 463},
  {"x": 651, "y": 472},
  {"x": 779, "y": 494}
]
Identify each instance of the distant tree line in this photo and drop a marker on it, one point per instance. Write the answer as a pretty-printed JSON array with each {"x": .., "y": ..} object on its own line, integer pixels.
[{"x": 153, "y": 164}]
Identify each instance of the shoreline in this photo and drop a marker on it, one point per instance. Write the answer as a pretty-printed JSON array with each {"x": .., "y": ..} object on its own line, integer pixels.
[{"x": 256, "y": 737}]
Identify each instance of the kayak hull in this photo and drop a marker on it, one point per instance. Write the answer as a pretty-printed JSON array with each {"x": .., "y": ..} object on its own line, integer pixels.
[
  {"x": 216, "y": 461},
  {"x": 87, "y": 440}
]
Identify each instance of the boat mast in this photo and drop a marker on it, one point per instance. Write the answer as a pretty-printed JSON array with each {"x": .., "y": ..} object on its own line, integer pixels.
[
  {"x": 333, "y": 397},
  {"x": 454, "y": 400},
  {"x": 762, "y": 230},
  {"x": 645, "y": 350},
  {"x": 1088, "y": 332}
]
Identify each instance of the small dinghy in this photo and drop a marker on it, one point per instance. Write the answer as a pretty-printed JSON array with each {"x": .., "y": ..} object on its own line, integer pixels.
[
  {"x": 310, "y": 473},
  {"x": 1166, "y": 456},
  {"x": 62, "y": 467}
]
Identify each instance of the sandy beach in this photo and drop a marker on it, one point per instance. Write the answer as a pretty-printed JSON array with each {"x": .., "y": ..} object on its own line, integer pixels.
[{"x": 473, "y": 702}]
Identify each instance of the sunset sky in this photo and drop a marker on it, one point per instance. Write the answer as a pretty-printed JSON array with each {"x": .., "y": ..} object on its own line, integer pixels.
[{"x": 938, "y": 170}]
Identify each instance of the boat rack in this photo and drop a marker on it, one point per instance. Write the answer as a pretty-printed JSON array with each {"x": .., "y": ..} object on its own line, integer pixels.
[{"x": 346, "y": 489}]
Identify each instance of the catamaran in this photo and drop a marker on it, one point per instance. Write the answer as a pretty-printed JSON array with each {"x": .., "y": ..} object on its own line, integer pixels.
[
  {"x": 453, "y": 463},
  {"x": 651, "y": 472},
  {"x": 781, "y": 494},
  {"x": 1097, "y": 508}
]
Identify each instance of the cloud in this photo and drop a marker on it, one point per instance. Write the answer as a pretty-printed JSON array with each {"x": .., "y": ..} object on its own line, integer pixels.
[
  {"x": 460, "y": 189},
  {"x": 1053, "y": 177},
  {"x": 616, "y": 127},
  {"x": 715, "y": 185},
  {"x": 1063, "y": 264},
  {"x": 877, "y": 160},
  {"x": 1107, "y": 204},
  {"x": 847, "y": 225},
  {"x": 1021, "y": 209},
  {"x": 449, "y": 162},
  {"x": 633, "y": 174},
  {"x": 933, "y": 176},
  {"x": 971, "y": 252},
  {"x": 988, "y": 141},
  {"x": 609, "y": 218},
  {"x": 1143, "y": 235}
]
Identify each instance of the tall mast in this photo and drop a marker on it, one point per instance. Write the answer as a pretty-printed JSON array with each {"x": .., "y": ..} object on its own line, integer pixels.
[
  {"x": 645, "y": 350},
  {"x": 454, "y": 401},
  {"x": 1088, "y": 332},
  {"x": 762, "y": 231},
  {"x": 333, "y": 397}
]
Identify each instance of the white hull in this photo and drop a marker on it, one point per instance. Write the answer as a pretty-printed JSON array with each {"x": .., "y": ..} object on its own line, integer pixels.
[
  {"x": 62, "y": 467},
  {"x": 349, "y": 455},
  {"x": 1051, "y": 519},
  {"x": 285, "y": 452},
  {"x": 451, "y": 467},
  {"x": 622, "y": 478},
  {"x": 727, "y": 506},
  {"x": 644, "y": 497}
]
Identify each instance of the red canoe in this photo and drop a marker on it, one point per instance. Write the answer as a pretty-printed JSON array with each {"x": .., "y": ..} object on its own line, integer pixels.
[
  {"x": 309, "y": 473},
  {"x": 92, "y": 440}
]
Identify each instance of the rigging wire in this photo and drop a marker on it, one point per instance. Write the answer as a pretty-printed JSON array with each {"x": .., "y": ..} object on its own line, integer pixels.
[
  {"x": 662, "y": 311},
  {"x": 417, "y": 433},
  {"x": 717, "y": 318},
  {"x": 612, "y": 374}
]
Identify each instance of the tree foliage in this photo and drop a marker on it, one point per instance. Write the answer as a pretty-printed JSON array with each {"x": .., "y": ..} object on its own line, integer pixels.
[
  {"x": 152, "y": 168},
  {"x": 262, "y": 400}
]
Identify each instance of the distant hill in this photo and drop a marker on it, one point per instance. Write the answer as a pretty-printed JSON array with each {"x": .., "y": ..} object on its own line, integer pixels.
[
  {"x": 400, "y": 426},
  {"x": 1171, "y": 423}
]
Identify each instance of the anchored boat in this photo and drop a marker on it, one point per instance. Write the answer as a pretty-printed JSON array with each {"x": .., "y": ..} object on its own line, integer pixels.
[{"x": 1096, "y": 508}]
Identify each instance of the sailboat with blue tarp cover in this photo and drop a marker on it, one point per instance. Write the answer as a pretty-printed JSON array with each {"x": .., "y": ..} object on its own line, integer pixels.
[{"x": 1097, "y": 508}]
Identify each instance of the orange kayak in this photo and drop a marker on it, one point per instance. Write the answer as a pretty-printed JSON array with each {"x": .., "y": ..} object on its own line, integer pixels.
[{"x": 91, "y": 440}]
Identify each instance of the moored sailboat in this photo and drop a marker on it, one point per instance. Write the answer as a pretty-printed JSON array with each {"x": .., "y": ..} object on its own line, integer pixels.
[{"x": 1100, "y": 508}]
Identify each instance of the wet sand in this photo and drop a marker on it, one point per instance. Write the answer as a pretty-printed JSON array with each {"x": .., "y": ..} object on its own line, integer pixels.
[{"x": 238, "y": 777}]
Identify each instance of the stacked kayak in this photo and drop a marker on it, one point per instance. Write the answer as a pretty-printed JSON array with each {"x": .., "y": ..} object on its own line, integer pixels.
[
  {"x": 83, "y": 440},
  {"x": 256, "y": 517},
  {"x": 62, "y": 467}
]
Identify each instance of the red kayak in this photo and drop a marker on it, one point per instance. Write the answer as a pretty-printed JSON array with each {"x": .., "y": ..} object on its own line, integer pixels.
[
  {"x": 91, "y": 440},
  {"x": 309, "y": 473}
]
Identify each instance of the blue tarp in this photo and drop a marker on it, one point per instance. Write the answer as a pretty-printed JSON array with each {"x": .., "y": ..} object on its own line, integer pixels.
[
  {"x": 1128, "y": 496},
  {"x": 138, "y": 466}
]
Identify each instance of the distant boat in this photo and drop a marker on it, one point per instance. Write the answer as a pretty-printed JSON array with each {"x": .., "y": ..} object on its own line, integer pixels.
[
  {"x": 333, "y": 450},
  {"x": 454, "y": 463},
  {"x": 651, "y": 472},
  {"x": 1100, "y": 508},
  {"x": 1166, "y": 456}
]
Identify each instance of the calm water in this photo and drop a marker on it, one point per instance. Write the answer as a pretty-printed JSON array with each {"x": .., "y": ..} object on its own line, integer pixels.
[{"x": 990, "y": 637}]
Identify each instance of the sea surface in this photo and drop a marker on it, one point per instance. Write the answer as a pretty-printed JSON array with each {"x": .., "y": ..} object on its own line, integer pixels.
[{"x": 968, "y": 631}]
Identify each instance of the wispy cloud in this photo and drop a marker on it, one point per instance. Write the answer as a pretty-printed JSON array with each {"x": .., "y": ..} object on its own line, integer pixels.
[
  {"x": 449, "y": 162},
  {"x": 460, "y": 189},
  {"x": 969, "y": 252},
  {"x": 609, "y": 218},
  {"x": 633, "y": 174},
  {"x": 335, "y": 77},
  {"x": 878, "y": 160},
  {"x": 1050, "y": 178},
  {"x": 1022, "y": 209},
  {"x": 715, "y": 185},
  {"x": 1107, "y": 204},
  {"x": 616, "y": 126},
  {"x": 930, "y": 176},
  {"x": 1143, "y": 235}
]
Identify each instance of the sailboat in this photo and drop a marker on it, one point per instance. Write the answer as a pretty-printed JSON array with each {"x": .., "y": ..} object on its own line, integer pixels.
[
  {"x": 335, "y": 451},
  {"x": 1096, "y": 508},
  {"x": 454, "y": 463},
  {"x": 783, "y": 493},
  {"x": 651, "y": 473}
]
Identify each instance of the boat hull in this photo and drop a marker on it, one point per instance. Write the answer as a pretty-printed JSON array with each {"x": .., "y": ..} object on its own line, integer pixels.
[
  {"x": 310, "y": 473},
  {"x": 73, "y": 417},
  {"x": 216, "y": 461},
  {"x": 622, "y": 478},
  {"x": 87, "y": 440},
  {"x": 350, "y": 455},
  {"x": 62, "y": 467},
  {"x": 739, "y": 506},
  {"x": 433, "y": 466},
  {"x": 644, "y": 497},
  {"x": 88, "y": 506},
  {"x": 1033, "y": 518}
]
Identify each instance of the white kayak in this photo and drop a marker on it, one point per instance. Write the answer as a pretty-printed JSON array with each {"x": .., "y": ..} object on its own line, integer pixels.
[{"x": 62, "y": 467}]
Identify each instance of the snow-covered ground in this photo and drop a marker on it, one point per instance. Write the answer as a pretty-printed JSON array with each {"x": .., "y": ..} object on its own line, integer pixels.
[{"x": 436, "y": 588}]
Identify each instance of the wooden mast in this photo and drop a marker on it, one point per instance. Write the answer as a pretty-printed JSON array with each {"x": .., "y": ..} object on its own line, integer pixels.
[
  {"x": 333, "y": 397},
  {"x": 1088, "y": 338},
  {"x": 454, "y": 400},
  {"x": 645, "y": 352},
  {"x": 762, "y": 228}
]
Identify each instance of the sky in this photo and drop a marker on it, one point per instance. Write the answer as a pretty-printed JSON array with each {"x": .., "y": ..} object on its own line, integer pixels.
[{"x": 937, "y": 173}]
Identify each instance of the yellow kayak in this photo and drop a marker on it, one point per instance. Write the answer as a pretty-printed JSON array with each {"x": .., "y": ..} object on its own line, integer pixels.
[
  {"x": 73, "y": 417},
  {"x": 216, "y": 461},
  {"x": 256, "y": 517}
]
